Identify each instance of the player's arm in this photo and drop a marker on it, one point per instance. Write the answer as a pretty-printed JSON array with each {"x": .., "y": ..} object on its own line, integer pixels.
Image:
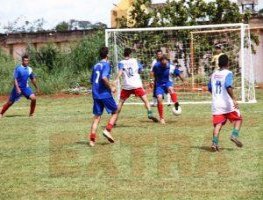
[
  {"x": 106, "y": 81},
  {"x": 209, "y": 86},
  {"x": 107, "y": 84},
  {"x": 34, "y": 81},
  {"x": 152, "y": 76},
  {"x": 120, "y": 71},
  {"x": 18, "y": 90},
  {"x": 140, "y": 67},
  {"x": 178, "y": 73},
  {"x": 229, "y": 88}
]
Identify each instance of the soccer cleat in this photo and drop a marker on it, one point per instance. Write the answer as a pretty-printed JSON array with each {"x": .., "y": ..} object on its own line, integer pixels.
[
  {"x": 92, "y": 143},
  {"x": 154, "y": 119},
  {"x": 108, "y": 136},
  {"x": 215, "y": 147},
  {"x": 162, "y": 121},
  {"x": 236, "y": 141}
]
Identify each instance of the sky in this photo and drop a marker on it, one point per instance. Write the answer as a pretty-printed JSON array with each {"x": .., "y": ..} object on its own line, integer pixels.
[{"x": 55, "y": 11}]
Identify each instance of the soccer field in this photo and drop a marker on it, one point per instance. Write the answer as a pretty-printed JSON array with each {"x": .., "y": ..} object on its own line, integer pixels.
[{"x": 48, "y": 157}]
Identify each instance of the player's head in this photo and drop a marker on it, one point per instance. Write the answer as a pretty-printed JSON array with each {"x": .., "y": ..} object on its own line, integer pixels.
[
  {"x": 218, "y": 48},
  {"x": 104, "y": 51},
  {"x": 127, "y": 52},
  {"x": 223, "y": 61},
  {"x": 159, "y": 54},
  {"x": 164, "y": 60},
  {"x": 25, "y": 60}
]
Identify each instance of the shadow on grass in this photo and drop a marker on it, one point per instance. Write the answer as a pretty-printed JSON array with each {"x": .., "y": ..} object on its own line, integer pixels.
[
  {"x": 149, "y": 121},
  {"x": 208, "y": 148},
  {"x": 17, "y": 115},
  {"x": 97, "y": 143}
]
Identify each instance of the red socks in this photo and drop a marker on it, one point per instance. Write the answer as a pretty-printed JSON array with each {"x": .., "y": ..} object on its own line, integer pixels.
[
  {"x": 5, "y": 108},
  {"x": 174, "y": 97},
  {"x": 32, "y": 107},
  {"x": 160, "y": 110},
  {"x": 92, "y": 137},
  {"x": 109, "y": 127}
]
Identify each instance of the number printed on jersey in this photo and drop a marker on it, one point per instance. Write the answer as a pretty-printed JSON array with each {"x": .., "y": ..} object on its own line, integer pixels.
[{"x": 218, "y": 87}]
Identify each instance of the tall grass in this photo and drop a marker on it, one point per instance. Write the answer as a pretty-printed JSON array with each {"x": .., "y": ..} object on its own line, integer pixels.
[
  {"x": 56, "y": 69},
  {"x": 6, "y": 72}
]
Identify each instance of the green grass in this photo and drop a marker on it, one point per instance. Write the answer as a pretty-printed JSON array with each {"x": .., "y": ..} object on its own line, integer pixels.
[{"x": 47, "y": 157}]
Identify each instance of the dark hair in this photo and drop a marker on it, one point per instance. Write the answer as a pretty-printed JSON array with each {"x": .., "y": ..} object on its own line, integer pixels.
[
  {"x": 25, "y": 57},
  {"x": 223, "y": 60},
  {"x": 164, "y": 57},
  {"x": 127, "y": 52},
  {"x": 104, "y": 52},
  {"x": 159, "y": 50},
  {"x": 218, "y": 46}
]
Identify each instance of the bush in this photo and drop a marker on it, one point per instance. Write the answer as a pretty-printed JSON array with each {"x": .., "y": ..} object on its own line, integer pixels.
[{"x": 56, "y": 69}]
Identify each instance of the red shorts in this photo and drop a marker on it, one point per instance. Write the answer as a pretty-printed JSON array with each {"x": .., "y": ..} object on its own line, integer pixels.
[
  {"x": 221, "y": 119},
  {"x": 138, "y": 92}
]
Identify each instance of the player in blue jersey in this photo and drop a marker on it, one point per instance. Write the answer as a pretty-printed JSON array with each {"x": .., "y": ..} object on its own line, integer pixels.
[
  {"x": 102, "y": 97},
  {"x": 21, "y": 87},
  {"x": 164, "y": 72}
]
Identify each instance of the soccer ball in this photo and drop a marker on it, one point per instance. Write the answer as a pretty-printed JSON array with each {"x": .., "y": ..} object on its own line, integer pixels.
[{"x": 177, "y": 112}]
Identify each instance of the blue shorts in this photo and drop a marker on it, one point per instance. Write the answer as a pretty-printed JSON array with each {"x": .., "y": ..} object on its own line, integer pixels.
[
  {"x": 162, "y": 89},
  {"x": 109, "y": 104},
  {"x": 26, "y": 92}
]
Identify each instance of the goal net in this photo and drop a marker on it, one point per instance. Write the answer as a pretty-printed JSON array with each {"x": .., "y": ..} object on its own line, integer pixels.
[{"x": 192, "y": 50}]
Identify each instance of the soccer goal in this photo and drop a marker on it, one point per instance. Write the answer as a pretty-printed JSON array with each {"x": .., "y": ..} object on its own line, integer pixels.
[{"x": 193, "y": 50}]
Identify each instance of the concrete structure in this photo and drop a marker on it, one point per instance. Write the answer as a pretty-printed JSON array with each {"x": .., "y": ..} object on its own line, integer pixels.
[
  {"x": 16, "y": 44},
  {"x": 120, "y": 10}
]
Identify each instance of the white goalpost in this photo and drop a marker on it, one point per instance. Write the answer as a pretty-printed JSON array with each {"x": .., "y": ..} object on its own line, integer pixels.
[{"x": 192, "y": 48}]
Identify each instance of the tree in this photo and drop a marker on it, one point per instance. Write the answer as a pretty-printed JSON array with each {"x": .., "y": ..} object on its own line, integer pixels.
[
  {"x": 99, "y": 25},
  {"x": 23, "y": 25},
  {"x": 182, "y": 13},
  {"x": 140, "y": 14},
  {"x": 62, "y": 26}
]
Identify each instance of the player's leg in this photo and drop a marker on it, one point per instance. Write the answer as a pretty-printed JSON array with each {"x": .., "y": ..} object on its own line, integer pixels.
[
  {"x": 154, "y": 100},
  {"x": 237, "y": 120},
  {"x": 215, "y": 140},
  {"x": 160, "y": 91},
  {"x": 112, "y": 108},
  {"x": 93, "y": 130},
  {"x": 174, "y": 97},
  {"x": 32, "y": 105},
  {"x": 97, "y": 111},
  {"x": 120, "y": 105},
  {"x": 218, "y": 122},
  {"x": 28, "y": 93},
  {"x": 125, "y": 94},
  {"x": 168, "y": 99},
  {"x": 140, "y": 92},
  {"x": 5, "y": 107},
  {"x": 13, "y": 97},
  {"x": 160, "y": 108},
  {"x": 148, "y": 107}
]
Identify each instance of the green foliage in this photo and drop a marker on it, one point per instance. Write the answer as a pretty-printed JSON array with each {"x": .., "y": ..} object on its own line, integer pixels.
[
  {"x": 6, "y": 71},
  {"x": 57, "y": 69},
  {"x": 62, "y": 26},
  {"x": 182, "y": 13},
  {"x": 85, "y": 53}
]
